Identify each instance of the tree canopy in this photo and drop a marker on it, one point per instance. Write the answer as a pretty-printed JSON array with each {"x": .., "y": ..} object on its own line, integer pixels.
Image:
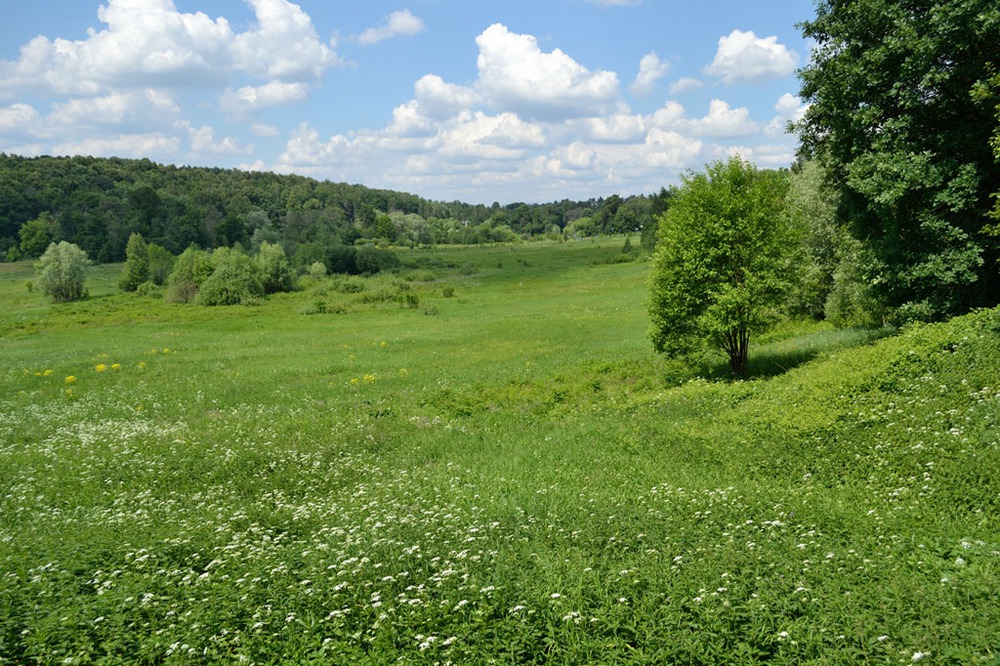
[
  {"x": 721, "y": 264},
  {"x": 894, "y": 119}
]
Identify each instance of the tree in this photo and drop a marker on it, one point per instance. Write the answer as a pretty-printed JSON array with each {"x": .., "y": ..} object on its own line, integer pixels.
[
  {"x": 722, "y": 261},
  {"x": 36, "y": 235},
  {"x": 62, "y": 272},
  {"x": 894, "y": 118},
  {"x": 136, "y": 269},
  {"x": 273, "y": 268},
  {"x": 190, "y": 271},
  {"x": 161, "y": 262}
]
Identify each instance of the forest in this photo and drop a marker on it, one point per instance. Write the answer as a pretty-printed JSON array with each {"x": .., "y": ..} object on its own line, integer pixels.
[{"x": 97, "y": 203}]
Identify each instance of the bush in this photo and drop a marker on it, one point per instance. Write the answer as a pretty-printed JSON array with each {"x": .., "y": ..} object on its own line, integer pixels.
[
  {"x": 191, "y": 269},
  {"x": 136, "y": 269},
  {"x": 62, "y": 271},
  {"x": 235, "y": 281},
  {"x": 273, "y": 267},
  {"x": 371, "y": 260},
  {"x": 161, "y": 262}
]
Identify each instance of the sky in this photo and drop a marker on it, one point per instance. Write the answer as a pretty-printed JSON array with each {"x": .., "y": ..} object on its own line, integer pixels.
[{"x": 478, "y": 101}]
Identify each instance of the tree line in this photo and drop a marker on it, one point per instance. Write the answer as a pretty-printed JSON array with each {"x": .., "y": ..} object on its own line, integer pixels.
[{"x": 98, "y": 203}]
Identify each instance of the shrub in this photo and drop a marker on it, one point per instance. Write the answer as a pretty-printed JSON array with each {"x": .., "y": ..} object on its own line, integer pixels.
[
  {"x": 62, "y": 271},
  {"x": 371, "y": 260},
  {"x": 273, "y": 267},
  {"x": 136, "y": 269},
  {"x": 191, "y": 269},
  {"x": 235, "y": 280},
  {"x": 161, "y": 262}
]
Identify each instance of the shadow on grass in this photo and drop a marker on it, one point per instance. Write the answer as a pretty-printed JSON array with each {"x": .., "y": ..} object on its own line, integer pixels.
[{"x": 776, "y": 357}]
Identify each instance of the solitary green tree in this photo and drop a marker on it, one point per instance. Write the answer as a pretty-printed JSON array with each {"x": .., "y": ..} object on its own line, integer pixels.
[
  {"x": 721, "y": 265},
  {"x": 136, "y": 269},
  {"x": 62, "y": 271}
]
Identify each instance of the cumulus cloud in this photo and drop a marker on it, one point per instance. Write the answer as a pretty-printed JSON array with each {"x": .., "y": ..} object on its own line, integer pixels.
[
  {"x": 401, "y": 22},
  {"x": 253, "y": 98},
  {"x": 651, "y": 70},
  {"x": 18, "y": 117},
  {"x": 516, "y": 75},
  {"x": 790, "y": 107},
  {"x": 685, "y": 84},
  {"x": 149, "y": 44},
  {"x": 742, "y": 57},
  {"x": 724, "y": 122}
]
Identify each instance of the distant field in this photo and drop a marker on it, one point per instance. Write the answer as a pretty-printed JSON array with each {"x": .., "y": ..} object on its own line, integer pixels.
[{"x": 479, "y": 459}]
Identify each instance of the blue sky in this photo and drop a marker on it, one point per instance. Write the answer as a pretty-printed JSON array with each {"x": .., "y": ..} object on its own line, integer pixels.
[{"x": 476, "y": 101}]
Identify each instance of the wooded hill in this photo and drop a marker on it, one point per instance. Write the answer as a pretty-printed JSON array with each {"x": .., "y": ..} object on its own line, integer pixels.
[{"x": 97, "y": 203}]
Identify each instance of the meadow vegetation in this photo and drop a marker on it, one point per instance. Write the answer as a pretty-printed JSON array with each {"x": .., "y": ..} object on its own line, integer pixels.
[{"x": 476, "y": 457}]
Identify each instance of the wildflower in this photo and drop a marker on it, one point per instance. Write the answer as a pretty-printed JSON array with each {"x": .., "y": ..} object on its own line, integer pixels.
[
  {"x": 48, "y": 372},
  {"x": 69, "y": 391},
  {"x": 354, "y": 381},
  {"x": 382, "y": 344},
  {"x": 917, "y": 656},
  {"x": 100, "y": 367},
  {"x": 554, "y": 595},
  {"x": 116, "y": 366},
  {"x": 70, "y": 379},
  {"x": 166, "y": 350},
  {"x": 142, "y": 365}
]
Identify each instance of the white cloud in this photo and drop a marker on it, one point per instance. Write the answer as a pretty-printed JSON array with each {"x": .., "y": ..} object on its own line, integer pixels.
[
  {"x": 18, "y": 117},
  {"x": 724, "y": 122},
  {"x": 401, "y": 22},
  {"x": 685, "y": 84},
  {"x": 203, "y": 143},
  {"x": 253, "y": 98},
  {"x": 439, "y": 99},
  {"x": 742, "y": 57},
  {"x": 516, "y": 75},
  {"x": 149, "y": 44},
  {"x": 790, "y": 107},
  {"x": 155, "y": 145},
  {"x": 651, "y": 70},
  {"x": 264, "y": 131}
]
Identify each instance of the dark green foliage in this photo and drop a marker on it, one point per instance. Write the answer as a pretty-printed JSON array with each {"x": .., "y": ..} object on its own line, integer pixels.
[
  {"x": 98, "y": 203},
  {"x": 161, "y": 262},
  {"x": 62, "y": 272},
  {"x": 235, "y": 280},
  {"x": 371, "y": 260},
  {"x": 36, "y": 235},
  {"x": 894, "y": 118},
  {"x": 723, "y": 261},
  {"x": 136, "y": 269}
]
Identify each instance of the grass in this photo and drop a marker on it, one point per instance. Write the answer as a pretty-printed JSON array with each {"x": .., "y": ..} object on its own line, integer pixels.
[{"x": 502, "y": 473}]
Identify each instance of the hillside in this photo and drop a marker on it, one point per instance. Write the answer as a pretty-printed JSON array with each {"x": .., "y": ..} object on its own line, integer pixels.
[{"x": 504, "y": 471}]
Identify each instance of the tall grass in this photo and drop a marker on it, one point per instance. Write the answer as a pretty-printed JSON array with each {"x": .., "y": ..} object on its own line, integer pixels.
[{"x": 505, "y": 473}]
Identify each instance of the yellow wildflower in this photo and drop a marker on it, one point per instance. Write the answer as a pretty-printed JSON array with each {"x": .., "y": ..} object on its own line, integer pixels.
[
  {"x": 100, "y": 367},
  {"x": 48, "y": 372},
  {"x": 116, "y": 366},
  {"x": 70, "y": 379}
]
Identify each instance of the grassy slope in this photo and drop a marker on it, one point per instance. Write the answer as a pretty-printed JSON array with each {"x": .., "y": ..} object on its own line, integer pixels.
[{"x": 499, "y": 474}]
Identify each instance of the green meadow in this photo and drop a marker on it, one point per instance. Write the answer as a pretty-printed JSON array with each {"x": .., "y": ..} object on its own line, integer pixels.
[{"x": 478, "y": 459}]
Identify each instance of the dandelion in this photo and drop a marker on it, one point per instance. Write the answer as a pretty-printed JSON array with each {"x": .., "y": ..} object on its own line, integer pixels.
[
  {"x": 48, "y": 372},
  {"x": 166, "y": 350},
  {"x": 142, "y": 365},
  {"x": 354, "y": 381},
  {"x": 100, "y": 367},
  {"x": 382, "y": 344},
  {"x": 370, "y": 378},
  {"x": 116, "y": 366},
  {"x": 70, "y": 379}
]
